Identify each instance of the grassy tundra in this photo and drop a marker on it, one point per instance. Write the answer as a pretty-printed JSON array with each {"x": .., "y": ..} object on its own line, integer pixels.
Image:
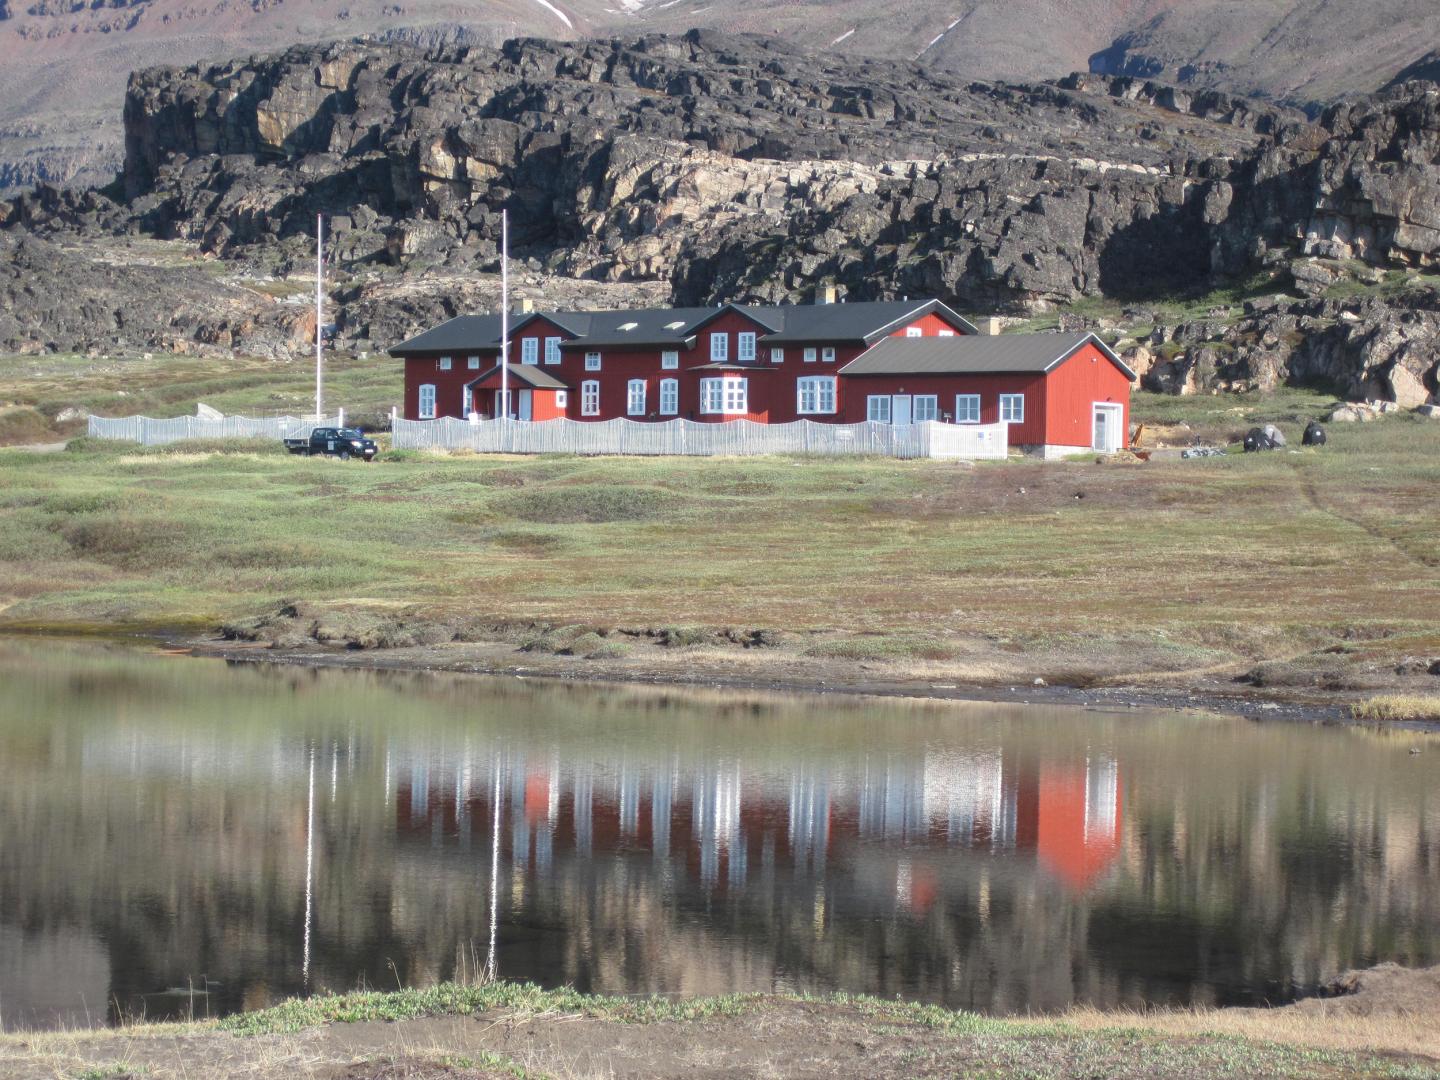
[{"x": 1316, "y": 569}]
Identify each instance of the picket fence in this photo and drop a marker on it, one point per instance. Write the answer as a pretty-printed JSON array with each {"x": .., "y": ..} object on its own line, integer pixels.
[
  {"x": 148, "y": 431},
  {"x": 686, "y": 437}
]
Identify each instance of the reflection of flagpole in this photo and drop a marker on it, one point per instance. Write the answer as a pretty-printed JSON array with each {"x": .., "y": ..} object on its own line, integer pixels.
[
  {"x": 490, "y": 963},
  {"x": 309, "y": 870}
]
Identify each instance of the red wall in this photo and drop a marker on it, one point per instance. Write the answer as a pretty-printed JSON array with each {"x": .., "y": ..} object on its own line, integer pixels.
[
  {"x": 855, "y": 389},
  {"x": 1072, "y": 388}
]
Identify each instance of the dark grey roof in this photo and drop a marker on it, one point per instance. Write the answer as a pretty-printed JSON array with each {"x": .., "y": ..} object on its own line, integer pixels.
[
  {"x": 975, "y": 355},
  {"x": 654, "y": 327},
  {"x": 525, "y": 373}
]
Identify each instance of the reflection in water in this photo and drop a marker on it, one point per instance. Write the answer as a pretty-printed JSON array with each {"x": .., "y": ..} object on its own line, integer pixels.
[{"x": 262, "y": 832}]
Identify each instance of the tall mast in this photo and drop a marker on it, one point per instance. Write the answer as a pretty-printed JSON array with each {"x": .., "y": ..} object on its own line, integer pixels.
[
  {"x": 319, "y": 304},
  {"x": 505, "y": 313}
]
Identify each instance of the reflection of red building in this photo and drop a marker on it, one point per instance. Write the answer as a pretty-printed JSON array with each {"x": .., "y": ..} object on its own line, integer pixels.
[{"x": 1070, "y": 817}]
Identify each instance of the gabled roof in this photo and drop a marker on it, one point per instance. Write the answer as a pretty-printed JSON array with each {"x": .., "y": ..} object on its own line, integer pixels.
[
  {"x": 528, "y": 374},
  {"x": 865, "y": 322},
  {"x": 1005, "y": 354}
]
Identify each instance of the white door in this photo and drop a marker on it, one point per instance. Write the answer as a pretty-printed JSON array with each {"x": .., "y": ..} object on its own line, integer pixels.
[
  {"x": 524, "y": 396},
  {"x": 1106, "y": 430},
  {"x": 900, "y": 409}
]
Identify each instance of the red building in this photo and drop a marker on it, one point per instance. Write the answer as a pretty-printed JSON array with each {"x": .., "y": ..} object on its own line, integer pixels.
[{"x": 839, "y": 363}]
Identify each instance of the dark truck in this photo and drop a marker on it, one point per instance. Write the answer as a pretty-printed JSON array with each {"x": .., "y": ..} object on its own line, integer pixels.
[{"x": 343, "y": 443}]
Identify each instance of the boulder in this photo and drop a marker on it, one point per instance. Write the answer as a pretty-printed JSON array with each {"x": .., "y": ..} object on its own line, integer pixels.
[{"x": 1354, "y": 412}]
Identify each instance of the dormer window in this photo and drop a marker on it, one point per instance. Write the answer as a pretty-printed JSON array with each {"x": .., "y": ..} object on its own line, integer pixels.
[
  {"x": 745, "y": 347},
  {"x": 674, "y": 325},
  {"x": 627, "y": 326},
  {"x": 719, "y": 347}
]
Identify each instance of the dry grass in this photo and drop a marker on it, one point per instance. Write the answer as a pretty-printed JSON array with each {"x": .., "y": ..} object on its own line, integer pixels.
[{"x": 1403, "y": 707}]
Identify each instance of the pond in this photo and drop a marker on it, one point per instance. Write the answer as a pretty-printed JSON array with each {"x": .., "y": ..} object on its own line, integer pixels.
[{"x": 182, "y": 836}]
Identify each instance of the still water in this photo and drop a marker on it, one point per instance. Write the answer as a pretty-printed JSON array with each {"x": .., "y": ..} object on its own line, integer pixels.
[{"x": 171, "y": 826}]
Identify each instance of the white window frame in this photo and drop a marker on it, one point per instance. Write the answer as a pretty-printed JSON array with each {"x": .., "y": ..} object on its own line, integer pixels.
[
  {"x": 914, "y": 331},
  {"x": 1010, "y": 413},
  {"x": 967, "y": 415},
  {"x": 810, "y": 395},
  {"x": 728, "y": 395},
  {"x": 670, "y": 360},
  {"x": 592, "y": 361},
  {"x": 810, "y": 355},
  {"x": 421, "y": 410},
  {"x": 473, "y": 363},
  {"x": 719, "y": 347},
  {"x": 467, "y": 401},
  {"x": 827, "y": 354},
  {"x": 444, "y": 364},
  {"x": 635, "y": 402},
  {"x": 777, "y": 355},
  {"x": 745, "y": 347},
  {"x": 590, "y": 397},
  {"x": 877, "y": 408},
  {"x": 947, "y": 333},
  {"x": 552, "y": 350},
  {"x": 529, "y": 350},
  {"x": 669, "y": 397},
  {"x": 562, "y": 398},
  {"x": 928, "y": 403}
]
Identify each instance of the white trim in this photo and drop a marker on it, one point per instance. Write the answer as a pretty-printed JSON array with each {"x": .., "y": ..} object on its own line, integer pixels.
[
  {"x": 669, "y": 397},
  {"x": 914, "y": 331},
  {"x": 670, "y": 360},
  {"x": 529, "y": 350},
  {"x": 635, "y": 402},
  {"x": 877, "y": 408},
  {"x": 562, "y": 399},
  {"x": 590, "y": 397},
  {"x": 420, "y": 409},
  {"x": 443, "y": 364},
  {"x": 777, "y": 355},
  {"x": 810, "y": 354},
  {"x": 745, "y": 346},
  {"x": 827, "y": 354},
  {"x": 473, "y": 363},
  {"x": 1114, "y": 426},
  {"x": 967, "y": 418},
  {"x": 728, "y": 395},
  {"x": 719, "y": 346},
  {"x": 816, "y": 388},
  {"x": 933, "y": 409},
  {"x": 592, "y": 361},
  {"x": 552, "y": 350},
  {"x": 1009, "y": 400}
]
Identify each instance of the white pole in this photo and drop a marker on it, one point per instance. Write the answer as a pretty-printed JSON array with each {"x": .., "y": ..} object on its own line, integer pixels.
[
  {"x": 319, "y": 334},
  {"x": 505, "y": 313}
]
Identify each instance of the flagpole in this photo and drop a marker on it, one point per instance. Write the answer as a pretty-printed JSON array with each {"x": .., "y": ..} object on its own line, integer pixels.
[
  {"x": 319, "y": 333},
  {"x": 504, "y": 409}
]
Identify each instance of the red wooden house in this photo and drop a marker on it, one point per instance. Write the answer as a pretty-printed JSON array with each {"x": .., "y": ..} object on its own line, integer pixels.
[{"x": 839, "y": 363}]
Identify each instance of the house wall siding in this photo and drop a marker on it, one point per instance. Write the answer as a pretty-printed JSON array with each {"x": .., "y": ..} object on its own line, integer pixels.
[
  {"x": 1073, "y": 388},
  {"x": 1031, "y": 432}
]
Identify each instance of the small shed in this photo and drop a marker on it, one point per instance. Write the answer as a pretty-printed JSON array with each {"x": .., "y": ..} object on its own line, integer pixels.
[{"x": 534, "y": 394}]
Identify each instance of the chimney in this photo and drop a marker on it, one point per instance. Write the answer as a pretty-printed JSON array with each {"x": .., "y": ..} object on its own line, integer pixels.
[
  {"x": 524, "y": 306},
  {"x": 991, "y": 326},
  {"x": 825, "y": 294}
]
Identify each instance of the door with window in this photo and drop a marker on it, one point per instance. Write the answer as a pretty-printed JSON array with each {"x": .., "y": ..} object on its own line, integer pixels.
[
  {"x": 524, "y": 405},
  {"x": 901, "y": 409},
  {"x": 1105, "y": 434}
]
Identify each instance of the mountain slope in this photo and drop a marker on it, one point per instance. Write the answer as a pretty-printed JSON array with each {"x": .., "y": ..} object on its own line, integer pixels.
[{"x": 63, "y": 63}]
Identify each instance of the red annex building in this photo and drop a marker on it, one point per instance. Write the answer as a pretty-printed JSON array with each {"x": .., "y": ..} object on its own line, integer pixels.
[{"x": 895, "y": 362}]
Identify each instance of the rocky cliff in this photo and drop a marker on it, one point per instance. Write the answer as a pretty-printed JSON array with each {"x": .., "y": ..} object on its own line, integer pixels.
[{"x": 720, "y": 167}]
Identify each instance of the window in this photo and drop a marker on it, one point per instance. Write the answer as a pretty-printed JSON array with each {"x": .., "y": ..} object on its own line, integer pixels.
[
  {"x": 503, "y": 402},
  {"x": 562, "y": 398},
  {"x": 592, "y": 361},
  {"x": 815, "y": 394},
  {"x": 726, "y": 395},
  {"x": 552, "y": 350},
  {"x": 809, "y": 356},
  {"x": 914, "y": 331},
  {"x": 529, "y": 350},
  {"x": 670, "y": 359},
  {"x": 877, "y": 408},
  {"x": 1012, "y": 408},
  {"x": 590, "y": 397},
  {"x": 444, "y": 363},
  {"x": 927, "y": 407},
  {"x": 669, "y": 397},
  {"x": 720, "y": 347},
  {"x": 967, "y": 408},
  {"x": 427, "y": 402},
  {"x": 777, "y": 356},
  {"x": 947, "y": 333},
  {"x": 745, "y": 347},
  {"x": 635, "y": 398},
  {"x": 828, "y": 354},
  {"x": 466, "y": 402},
  {"x": 473, "y": 363}
]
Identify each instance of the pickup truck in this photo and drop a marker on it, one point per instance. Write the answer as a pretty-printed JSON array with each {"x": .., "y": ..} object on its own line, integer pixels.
[{"x": 343, "y": 443}]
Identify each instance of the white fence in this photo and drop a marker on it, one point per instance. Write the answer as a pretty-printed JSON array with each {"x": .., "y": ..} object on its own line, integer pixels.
[
  {"x": 686, "y": 437},
  {"x": 151, "y": 432}
]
